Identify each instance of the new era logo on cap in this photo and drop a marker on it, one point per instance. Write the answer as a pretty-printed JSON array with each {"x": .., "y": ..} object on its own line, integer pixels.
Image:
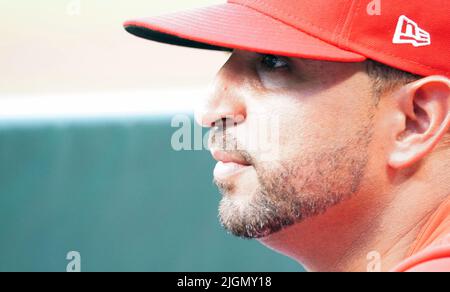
[{"x": 409, "y": 32}]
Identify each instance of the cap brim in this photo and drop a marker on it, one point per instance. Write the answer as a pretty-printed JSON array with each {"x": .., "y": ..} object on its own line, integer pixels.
[{"x": 232, "y": 26}]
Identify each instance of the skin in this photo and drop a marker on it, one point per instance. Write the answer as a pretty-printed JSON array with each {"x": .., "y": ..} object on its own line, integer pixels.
[{"x": 349, "y": 176}]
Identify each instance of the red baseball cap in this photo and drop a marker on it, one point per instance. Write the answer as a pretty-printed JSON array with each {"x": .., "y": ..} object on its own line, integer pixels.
[{"x": 413, "y": 36}]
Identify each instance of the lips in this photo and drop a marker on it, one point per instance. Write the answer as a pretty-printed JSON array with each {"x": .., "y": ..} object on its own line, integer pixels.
[
  {"x": 228, "y": 157},
  {"x": 229, "y": 165}
]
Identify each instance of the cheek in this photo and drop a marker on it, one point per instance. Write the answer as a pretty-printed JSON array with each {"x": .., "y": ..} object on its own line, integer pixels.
[
  {"x": 305, "y": 130},
  {"x": 300, "y": 123},
  {"x": 281, "y": 128},
  {"x": 282, "y": 79},
  {"x": 300, "y": 135}
]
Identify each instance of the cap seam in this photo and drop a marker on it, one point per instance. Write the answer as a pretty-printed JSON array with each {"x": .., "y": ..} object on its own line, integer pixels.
[
  {"x": 340, "y": 36},
  {"x": 350, "y": 26},
  {"x": 335, "y": 33},
  {"x": 290, "y": 15}
]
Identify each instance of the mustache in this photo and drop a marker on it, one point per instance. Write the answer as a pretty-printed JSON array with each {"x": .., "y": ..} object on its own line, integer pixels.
[{"x": 222, "y": 140}]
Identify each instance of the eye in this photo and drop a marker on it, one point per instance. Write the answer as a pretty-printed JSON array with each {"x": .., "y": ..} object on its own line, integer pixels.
[{"x": 272, "y": 62}]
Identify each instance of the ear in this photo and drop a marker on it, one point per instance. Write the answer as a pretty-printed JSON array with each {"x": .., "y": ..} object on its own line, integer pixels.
[{"x": 423, "y": 118}]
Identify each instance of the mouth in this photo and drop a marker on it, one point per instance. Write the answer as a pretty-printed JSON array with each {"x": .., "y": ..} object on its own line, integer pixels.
[{"x": 229, "y": 164}]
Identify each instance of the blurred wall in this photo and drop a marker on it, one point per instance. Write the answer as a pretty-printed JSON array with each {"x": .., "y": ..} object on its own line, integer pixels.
[
  {"x": 60, "y": 46},
  {"x": 114, "y": 191}
]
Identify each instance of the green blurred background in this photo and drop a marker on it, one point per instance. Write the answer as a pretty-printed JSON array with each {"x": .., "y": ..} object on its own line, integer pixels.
[
  {"x": 108, "y": 183},
  {"x": 115, "y": 191}
]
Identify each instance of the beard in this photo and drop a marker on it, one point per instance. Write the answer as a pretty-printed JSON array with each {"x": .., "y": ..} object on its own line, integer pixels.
[{"x": 288, "y": 192}]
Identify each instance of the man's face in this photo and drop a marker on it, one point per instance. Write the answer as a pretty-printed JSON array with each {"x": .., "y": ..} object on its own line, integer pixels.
[{"x": 323, "y": 116}]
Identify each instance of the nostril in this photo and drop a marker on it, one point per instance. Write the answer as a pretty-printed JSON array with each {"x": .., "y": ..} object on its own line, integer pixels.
[
  {"x": 225, "y": 122},
  {"x": 219, "y": 123}
]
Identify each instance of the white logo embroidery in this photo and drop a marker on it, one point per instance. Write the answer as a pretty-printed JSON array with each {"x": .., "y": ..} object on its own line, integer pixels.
[{"x": 408, "y": 32}]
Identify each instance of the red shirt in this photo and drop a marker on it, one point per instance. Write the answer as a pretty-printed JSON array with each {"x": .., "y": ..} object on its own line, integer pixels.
[{"x": 431, "y": 251}]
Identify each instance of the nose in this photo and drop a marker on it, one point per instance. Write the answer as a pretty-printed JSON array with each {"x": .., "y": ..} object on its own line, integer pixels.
[{"x": 225, "y": 101}]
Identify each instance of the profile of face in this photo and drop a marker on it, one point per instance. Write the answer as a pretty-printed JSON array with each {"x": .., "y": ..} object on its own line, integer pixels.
[{"x": 322, "y": 114}]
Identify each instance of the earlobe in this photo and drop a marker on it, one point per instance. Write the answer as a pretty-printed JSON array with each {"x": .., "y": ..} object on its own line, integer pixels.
[{"x": 424, "y": 107}]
